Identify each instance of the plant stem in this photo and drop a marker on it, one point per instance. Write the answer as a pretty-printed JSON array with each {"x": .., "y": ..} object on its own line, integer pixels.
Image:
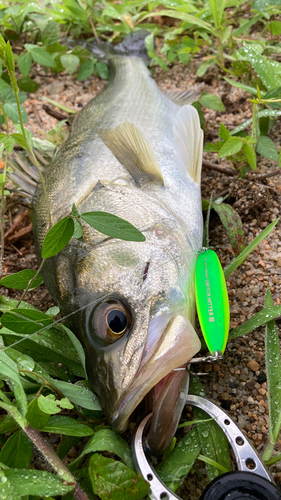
[
  {"x": 30, "y": 283},
  {"x": 45, "y": 382},
  {"x": 54, "y": 461},
  {"x": 2, "y": 208}
]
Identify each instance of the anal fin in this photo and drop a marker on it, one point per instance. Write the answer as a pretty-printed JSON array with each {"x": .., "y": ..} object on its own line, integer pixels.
[
  {"x": 189, "y": 138},
  {"x": 133, "y": 151}
]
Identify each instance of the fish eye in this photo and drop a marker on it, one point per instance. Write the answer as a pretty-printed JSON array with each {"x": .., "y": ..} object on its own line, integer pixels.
[
  {"x": 117, "y": 321},
  {"x": 110, "y": 320}
]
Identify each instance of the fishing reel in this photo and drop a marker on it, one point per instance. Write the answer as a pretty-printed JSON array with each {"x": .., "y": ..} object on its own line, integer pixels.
[{"x": 250, "y": 482}]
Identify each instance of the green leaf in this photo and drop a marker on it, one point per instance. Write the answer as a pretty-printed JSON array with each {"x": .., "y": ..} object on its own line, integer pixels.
[
  {"x": 51, "y": 33},
  {"x": 211, "y": 101},
  {"x": 176, "y": 467},
  {"x": 41, "y": 56},
  {"x": 212, "y": 462},
  {"x": 240, "y": 85},
  {"x": 112, "y": 480},
  {"x": 10, "y": 61},
  {"x": 107, "y": 440},
  {"x": 25, "y": 321},
  {"x": 223, "y": 133},
  {"x": 9, "y": 370},
  {"x": 20, "y": 140},
  {"x": 35, "y": 416},
  {"x": 8, "y": 424},
  {"x": 57, "y": 237},
  {"x": 263, "y": 67},
  {"x": 273, "y": 370},
  {"x": 49, "y": 404},
  {"x": 230, "y": 147},
  {"x": 66, "y": 443},
  {"x": 204, "y": 66},
  {"x": 7, "y": 490},
  {"x": 67, "y": 426},
  {"x": 250, "y": 155},
  {"x": 78, "y": 395},
  {"x": 275, "y": 28},
  {"x": 102, "y": 70},
  {"x": 113, "y": 226},
  {"x": 24, "y": 63},
  {"x": 78, "y": 230},
  {"x": 20, "y": 280},
  {"x": 214, "y": 443},
  {"x": 267, "y": 148},
  {"x": 17, "y": 451},
  {"x": 85, "y": 70},
  {"x": 9, "y": 143},
  {"x": 11, "y": 110},
  {"x": 70, "y": 62},
  {"x": 36, "y": 482},
  {"x": 28, "y": 85},
  {"x": 266, "y": 112},
  {"x": 77, "y": 346},
  {"x": 233, "y": 225},
  {"x": 255, "y": 321},
  {"x": 242, "y": 257}
]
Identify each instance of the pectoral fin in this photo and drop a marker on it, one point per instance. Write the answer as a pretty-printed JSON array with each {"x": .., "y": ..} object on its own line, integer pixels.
[
  {"x": 189, "y": 138},
  {"x": 133, "y": 151}
]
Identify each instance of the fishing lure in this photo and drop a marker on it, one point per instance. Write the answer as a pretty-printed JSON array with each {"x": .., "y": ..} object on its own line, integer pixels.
[{"x": 212, "y": 301}]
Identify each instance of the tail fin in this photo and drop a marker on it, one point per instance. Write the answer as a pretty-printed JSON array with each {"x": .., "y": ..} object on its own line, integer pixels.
[{"x": 132, "y": 45}]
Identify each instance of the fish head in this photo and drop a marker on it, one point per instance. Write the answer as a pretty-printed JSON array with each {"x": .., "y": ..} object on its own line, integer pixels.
[{"x": 134, "y": 306}]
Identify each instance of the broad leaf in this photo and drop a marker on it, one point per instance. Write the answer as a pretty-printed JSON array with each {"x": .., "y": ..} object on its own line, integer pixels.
[
  {"x": 267, "y": 148},
  {"x": 78, "y": 395},
  {"x": 107, "y": 440},
  {"x": 67, "y": 426},
  {"x": 102, "y": 70},
  {"x": 70, "y": 63},
  {"x": 262, "y": 65},
  {"x": 35, "y": 416},
  {"x": 25, "y": 321},
  {"x": 250, "y": 155},
  {"x": 57, "y": 237},
  {"x": 28, "y": 85},
  {"x": 41, "y": 56},
  {"x": 85, "y": 70},
  {"x": 24, "y": 63},
  {"x": 176, "y": 467},
  {"x": 230, "y": 147},
  {"x": 17, "y": 451},
  {"x": 113, "y": 226},
  {"x": 112, "y": 480},
  {"x": 20, "y": 280},
  {"x": 211, "y": 101},
  {"x": 36, "y": 482}
]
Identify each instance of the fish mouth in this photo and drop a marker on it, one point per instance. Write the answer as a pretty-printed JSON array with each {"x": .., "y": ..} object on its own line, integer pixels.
[{"x": 171, "y": 343}]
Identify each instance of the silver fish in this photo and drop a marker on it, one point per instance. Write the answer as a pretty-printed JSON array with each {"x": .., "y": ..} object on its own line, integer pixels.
[{"x": 135, "y": 153}]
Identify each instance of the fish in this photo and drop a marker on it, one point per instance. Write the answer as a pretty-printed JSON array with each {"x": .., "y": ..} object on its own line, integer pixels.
[{"x": 136, "y": 153}]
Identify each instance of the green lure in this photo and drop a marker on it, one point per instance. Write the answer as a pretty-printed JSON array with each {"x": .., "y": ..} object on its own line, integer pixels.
[{"x": 212, "y": 301}]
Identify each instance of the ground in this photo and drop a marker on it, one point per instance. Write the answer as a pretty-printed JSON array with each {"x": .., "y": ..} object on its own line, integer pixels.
[{"x": 238, "y": 383}]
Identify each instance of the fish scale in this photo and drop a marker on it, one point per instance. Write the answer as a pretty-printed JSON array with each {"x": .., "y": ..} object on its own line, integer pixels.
[{"x": 135, "y": 153}]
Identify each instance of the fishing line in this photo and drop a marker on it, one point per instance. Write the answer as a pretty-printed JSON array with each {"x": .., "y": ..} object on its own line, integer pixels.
[{"x": 27, "y": 337}]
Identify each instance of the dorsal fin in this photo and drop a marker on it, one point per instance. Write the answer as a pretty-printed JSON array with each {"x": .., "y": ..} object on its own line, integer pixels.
[
  {"x": 182, "y": 98},
  {"x": 133, "y": 151},
  {"x": 189, "y": 138},
  {"x": 25, "y": 173}
]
